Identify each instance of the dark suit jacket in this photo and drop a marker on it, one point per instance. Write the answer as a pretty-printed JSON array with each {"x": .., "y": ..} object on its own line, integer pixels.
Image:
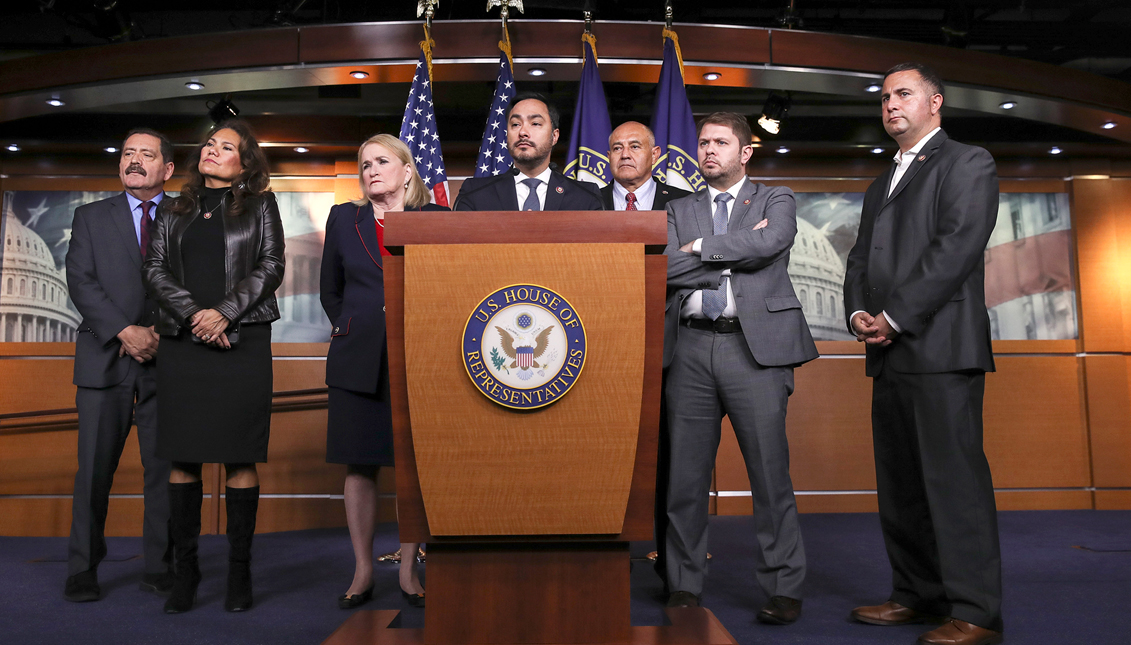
[
  {"x": 664, "y": 194},
  {"x": 498, "y": 194},
  {"x": 104, "y": 280},
  {"x": 353, "y": 295},
  {"x": 919, "y": 257},
  {"x": 767, "y": 306}
]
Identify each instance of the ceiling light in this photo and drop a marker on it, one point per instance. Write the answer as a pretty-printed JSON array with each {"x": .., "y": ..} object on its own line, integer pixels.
[
  {"x": 1109, "y": 125},
  {"x": 13, "y": 147},
  {"x": 712, "y": 76},
  {"x": 194, "y": 85},
  {"x": 110, "y": 149},
  {"x": 1055, "y": 150},
  {"x": 774, "y": 112},
  {"x": 301, "y": 149},
  {"x": 782, "y": 150},
  {"x": 358, "y": 74},
  {"x": 1008, "y": 105},
  {"x": 54, "y": 101},
  {"x": 877, "y": 151},
  {"x": 223, "y": 110},
  {"x": 873, "y": 88},
  {"x": 536, "y": 71}
]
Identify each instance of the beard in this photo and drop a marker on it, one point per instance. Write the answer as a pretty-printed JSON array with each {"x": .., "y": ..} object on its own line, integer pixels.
[{"x": 532, "y": 155}]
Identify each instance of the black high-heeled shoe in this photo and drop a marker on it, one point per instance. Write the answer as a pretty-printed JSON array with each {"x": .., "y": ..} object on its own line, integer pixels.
[
  {"x": 413, "y": 599},
  {"x": 356, "y": 600}
]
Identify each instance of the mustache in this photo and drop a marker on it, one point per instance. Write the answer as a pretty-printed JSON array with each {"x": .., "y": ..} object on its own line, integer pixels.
[{"x": 135, "y": 168}]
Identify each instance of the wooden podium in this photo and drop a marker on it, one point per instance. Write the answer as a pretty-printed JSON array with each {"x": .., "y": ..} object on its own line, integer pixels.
[{"x": 527, "y": 513}]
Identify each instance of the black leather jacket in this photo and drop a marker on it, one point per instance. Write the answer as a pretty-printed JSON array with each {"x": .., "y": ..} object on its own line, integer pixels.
[{"x": 253, "y": 266}]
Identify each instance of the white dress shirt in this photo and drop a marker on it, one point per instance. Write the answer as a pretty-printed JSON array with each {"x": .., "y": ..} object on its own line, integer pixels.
[
  {"x": 693, "y": 305},
  {"x": 136, "y": 211},
  {"x": 645, "y": 196},
  {"x": 523, "y": 191}
]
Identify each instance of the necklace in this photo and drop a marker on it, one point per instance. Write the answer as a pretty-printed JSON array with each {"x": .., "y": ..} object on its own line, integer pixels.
[{"x": 208, "y": 214}]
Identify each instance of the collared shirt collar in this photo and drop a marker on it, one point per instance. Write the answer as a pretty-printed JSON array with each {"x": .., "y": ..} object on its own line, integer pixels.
[
  {"x": 544, "y": 176},
  {"x": 914, "y": 150},
  {"x": 733, "y": 190},
  {"x": 646, "y": 194},
  {"x": 135, "y": 202}
]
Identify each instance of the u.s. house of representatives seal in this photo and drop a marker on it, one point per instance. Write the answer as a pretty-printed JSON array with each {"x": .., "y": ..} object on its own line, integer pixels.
[{"x": 524, "y": 346}]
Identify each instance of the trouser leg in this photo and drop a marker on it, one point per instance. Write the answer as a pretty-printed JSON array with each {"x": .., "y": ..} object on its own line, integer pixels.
[{"x": 156, "y": 545}]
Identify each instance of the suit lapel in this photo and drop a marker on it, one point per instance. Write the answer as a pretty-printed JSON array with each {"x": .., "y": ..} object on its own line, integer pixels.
[
  {"x": 367, "y": 230},
  {"x": 505, "y": 189},
  {"x": 741, "y": 206},
  {"x": 555, "y": 193},
  {"x": 703, "y": 214},
  {"x": 921, "y": 160},
  {"x": 124, "y": 222}
]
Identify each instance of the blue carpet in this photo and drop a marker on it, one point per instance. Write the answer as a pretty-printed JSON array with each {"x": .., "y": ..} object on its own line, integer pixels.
[{"x": 1067, "y": 580}]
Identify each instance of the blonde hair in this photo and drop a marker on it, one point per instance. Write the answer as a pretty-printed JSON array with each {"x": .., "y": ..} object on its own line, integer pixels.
[{"x": 416, "y": 194}]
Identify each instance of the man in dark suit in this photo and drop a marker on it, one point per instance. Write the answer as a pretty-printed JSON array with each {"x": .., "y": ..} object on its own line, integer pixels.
[
  {"x": 530, "y": 185},
  {"x": 915, "y": 284},
  {"x": 114, "y": 365},
  {"x": 734, "y": 331},
  {"x": 632, "y": 153}
]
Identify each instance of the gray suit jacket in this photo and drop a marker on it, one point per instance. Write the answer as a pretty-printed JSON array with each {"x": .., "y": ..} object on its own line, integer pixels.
[
  {"x": 919, "y": 256},
  {"x": 768, "y": 308},
  {"x": 104, "y": 280}
]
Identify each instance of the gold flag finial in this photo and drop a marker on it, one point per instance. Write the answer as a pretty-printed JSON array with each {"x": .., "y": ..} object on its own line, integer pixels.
[{"x": 427, "y": 8}]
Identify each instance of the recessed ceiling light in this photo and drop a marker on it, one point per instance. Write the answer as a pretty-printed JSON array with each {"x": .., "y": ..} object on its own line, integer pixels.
[
  {"x": 1055, "y": 150},
  {"x": 712, "y": 76},
  {"x": 195, "y": 85},
  {"x": 301, "y": 149},
  {"x": 782, "y": 150},
  {"x": 873, "y": 88},
  {"x": 877, "y": 151},
  {"x": 536, "y": 71},
  {"x": 1109, "y": 125},
  {"x": 358, "y": 74},
  {"x": 55, "y": 102},
  {"x": 110, "y": 149},
  {"x": 1008, "y": 105},
  {"x": 13, "y": 147}
]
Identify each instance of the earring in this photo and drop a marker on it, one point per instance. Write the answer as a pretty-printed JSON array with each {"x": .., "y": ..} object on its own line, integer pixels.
[{"x": 406, "y": 185}]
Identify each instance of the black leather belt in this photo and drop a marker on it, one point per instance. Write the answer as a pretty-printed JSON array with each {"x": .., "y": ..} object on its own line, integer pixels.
[{"x": 719, "y": 326}]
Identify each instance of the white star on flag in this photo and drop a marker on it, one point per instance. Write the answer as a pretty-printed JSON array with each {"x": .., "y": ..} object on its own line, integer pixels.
[
  {"x": 429, "y": 158},
  {"x": 493, "y": 149}
]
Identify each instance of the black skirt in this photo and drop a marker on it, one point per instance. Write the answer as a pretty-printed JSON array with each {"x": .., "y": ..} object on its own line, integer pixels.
[
  {"x": 214, "y": 405},
  {"x": 359, "y": 428}
]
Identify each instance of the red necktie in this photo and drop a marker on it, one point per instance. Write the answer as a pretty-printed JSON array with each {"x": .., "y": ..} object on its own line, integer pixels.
[
  {"x": 631, "y": 199},
  {"x": 146, "y": 222}
]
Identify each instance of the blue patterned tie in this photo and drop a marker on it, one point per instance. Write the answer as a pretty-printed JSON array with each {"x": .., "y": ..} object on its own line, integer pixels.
[
  {"x": 531, "y": 203},
  {"x": 715, "y": 300}
]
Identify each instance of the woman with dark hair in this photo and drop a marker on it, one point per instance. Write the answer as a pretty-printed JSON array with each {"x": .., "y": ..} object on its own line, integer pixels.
[
  {"x": 213, "y": 264},
  {"x": 359, "y": 431}
]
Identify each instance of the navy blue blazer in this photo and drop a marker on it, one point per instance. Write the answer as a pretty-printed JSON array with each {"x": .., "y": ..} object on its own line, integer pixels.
[
  {"x": 353, "y": 295},
  {"x": 497, "y": 193}
]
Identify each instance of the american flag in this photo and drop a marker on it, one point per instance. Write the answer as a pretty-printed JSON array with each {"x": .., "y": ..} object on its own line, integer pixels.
[
  {"x": 493, "y": 155},
  {"x": 420, "y": 133}
]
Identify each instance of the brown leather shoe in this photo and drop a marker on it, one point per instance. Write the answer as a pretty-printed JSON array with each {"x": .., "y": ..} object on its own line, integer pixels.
[
  {"x": 960, "y": 632},
  {"x": 781, "y": 610},
  {"x": 891, "y": 613}
]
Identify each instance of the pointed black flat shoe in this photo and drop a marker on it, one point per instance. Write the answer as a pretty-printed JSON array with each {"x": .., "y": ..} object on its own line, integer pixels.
[
  {"x": 356, "y": 600},
  {"x": 413, "y": 599}
]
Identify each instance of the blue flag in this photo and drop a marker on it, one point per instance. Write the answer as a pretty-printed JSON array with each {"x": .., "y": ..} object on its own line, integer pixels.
[
  {"x": 419, "y": 131},
  {"x": 674, "y": 125},
  {"x": 494, "y": 157},
  {"x": 587, "y": 159}
]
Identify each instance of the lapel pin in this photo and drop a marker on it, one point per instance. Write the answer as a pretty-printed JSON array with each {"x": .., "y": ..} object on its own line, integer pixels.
[
  {"x": 560, "y": 190},
  {"x": 922, "y": 157},
  {"x": 746, "y": 202}
]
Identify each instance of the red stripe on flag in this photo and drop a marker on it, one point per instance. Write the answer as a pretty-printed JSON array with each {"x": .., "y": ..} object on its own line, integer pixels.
[{"x": 1037, "y": 264}]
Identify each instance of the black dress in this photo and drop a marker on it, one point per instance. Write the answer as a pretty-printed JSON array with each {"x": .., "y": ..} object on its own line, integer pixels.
[{"x": 213, "y": 405}]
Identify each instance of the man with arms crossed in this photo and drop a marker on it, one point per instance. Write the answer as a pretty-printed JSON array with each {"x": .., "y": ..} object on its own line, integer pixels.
[
  {"x": 114, "y": 365},
  {"x": 531, "y": 185},
  {"x": 915, "y": 287},
  {"x": 734, "y": 331}
]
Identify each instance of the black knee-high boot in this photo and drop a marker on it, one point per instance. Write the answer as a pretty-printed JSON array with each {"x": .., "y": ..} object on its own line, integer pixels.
[
  {"x": 242, "y": 505},
  {"x": 184, "y": 526}
]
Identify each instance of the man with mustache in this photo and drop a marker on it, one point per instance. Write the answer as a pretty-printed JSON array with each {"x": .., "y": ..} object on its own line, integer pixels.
[
  {"x": 632, "y": 153},
  {"x": 915, "y": 287},
  {"x": 734, "y": 331},
  {"x": 115, "y": 350},
  {"x": 531, "y": 184}
]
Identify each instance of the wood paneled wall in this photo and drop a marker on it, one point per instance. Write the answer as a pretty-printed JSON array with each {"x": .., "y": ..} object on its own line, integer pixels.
[{"x": 1058, "y": 413}]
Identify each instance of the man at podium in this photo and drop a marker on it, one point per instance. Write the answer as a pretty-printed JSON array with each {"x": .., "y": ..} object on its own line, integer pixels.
[
  {"x": 734, "y": 331},
  {"x": 530, "y": 185}
]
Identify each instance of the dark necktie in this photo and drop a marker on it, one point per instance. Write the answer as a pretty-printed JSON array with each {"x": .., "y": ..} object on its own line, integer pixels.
[
  {"x": 531, "y": 203},
  {"x": 631, "y": 202},
  {"x": 146, "y": 223},
  {"x": 715, "y": 300}
]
